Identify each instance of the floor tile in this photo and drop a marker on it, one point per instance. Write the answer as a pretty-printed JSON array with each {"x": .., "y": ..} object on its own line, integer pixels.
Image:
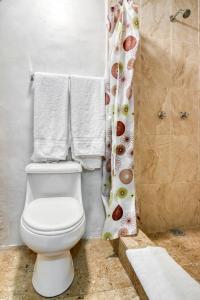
[{"x": 98, "y": 274}]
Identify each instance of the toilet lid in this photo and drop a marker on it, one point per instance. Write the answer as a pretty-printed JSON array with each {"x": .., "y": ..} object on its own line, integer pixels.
[{"x": 53, "y": 213}]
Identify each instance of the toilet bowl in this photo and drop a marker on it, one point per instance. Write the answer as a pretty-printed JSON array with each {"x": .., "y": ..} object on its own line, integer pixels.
[{"x": 53, "y": 221}]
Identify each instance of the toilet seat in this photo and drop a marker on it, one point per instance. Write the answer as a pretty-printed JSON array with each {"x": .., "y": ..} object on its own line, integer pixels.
[{"x": 53, "y": 215}]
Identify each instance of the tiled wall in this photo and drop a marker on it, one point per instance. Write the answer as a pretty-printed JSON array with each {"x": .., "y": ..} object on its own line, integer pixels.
[{"x": 167, "y": 78}]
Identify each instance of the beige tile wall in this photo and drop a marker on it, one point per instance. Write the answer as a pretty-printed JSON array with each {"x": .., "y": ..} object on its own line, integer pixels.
[{"x": 167, "y": 78}]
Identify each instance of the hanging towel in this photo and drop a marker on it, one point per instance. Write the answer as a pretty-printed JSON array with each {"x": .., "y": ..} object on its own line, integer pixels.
[
  {"x": 50, "y": 117},
  {"x": 88, "y": 121},
  {"x": 161, "y": 277}
]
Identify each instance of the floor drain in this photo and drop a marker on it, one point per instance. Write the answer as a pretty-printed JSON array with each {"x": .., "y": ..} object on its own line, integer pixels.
[{"x": 177, "y": 232}]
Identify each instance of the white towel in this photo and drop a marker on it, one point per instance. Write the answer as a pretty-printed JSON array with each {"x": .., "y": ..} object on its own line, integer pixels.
[
  {"x": 161, "y": 277},
  {"x": 88, "y": 120},
  {"x": 51, "y": 95}
]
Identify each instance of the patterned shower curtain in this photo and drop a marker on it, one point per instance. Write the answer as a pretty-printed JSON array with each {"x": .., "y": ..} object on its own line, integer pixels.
[{"x": 118, "y": 179}]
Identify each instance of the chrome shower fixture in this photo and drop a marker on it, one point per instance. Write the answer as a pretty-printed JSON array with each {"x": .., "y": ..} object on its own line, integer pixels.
[{"x": 184, "y": 12}]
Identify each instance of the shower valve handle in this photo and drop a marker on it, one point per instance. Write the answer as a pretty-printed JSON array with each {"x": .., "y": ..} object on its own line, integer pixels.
[
  {"x": 162, "y": 115},
  {"x": 184, "y": 115}
]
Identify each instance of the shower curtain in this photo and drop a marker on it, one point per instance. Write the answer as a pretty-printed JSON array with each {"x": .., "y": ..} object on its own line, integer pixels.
[{"x": 118, "y": 179}]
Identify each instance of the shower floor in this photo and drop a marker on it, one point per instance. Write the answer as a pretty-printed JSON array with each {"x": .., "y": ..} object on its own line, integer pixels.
[
  {"x": 184, "y": 249},
  {"x": 99, "y": 274}
]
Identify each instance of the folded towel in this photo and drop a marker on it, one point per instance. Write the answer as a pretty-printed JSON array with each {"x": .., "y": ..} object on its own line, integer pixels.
[
  {"x": 50, "y": 117},
  {"x": 88, "y": 120},
  {"x": 161, "y": 277}
]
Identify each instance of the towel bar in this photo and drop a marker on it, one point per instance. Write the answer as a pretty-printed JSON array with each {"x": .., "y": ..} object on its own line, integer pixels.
[{"x": 32, "y": 77}]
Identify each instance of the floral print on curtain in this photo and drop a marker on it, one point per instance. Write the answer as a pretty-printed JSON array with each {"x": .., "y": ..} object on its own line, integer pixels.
[{"x": 118, "y": 179}]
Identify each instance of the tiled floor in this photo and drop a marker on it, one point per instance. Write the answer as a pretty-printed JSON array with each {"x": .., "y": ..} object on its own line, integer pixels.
[
  {"x": 184, "y": 249},
  {"x": 99, "y": 274}
]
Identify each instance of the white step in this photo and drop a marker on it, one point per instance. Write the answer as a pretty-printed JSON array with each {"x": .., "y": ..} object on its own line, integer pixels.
[{"x": 161, "y": 277}]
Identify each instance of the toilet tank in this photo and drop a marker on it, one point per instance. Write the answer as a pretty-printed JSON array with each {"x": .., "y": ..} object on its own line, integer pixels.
[{"x": 62, "y": 179}]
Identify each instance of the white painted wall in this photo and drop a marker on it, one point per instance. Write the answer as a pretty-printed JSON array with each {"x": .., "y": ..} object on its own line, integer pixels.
[{"x": 53, "y": 36}]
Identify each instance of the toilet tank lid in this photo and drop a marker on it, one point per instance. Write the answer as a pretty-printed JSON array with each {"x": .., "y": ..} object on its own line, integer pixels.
[{"x": 58, "y": 167}]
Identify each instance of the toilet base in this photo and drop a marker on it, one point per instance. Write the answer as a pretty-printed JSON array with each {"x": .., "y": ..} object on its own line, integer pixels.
[{"x": 53, "y": 274}]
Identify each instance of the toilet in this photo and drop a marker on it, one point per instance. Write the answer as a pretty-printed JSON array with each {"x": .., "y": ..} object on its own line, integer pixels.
[{"x": 52, "y": 222}]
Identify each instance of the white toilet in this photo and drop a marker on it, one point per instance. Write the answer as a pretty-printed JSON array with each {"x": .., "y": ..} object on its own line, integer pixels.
[{"x": 53, "y": 221}]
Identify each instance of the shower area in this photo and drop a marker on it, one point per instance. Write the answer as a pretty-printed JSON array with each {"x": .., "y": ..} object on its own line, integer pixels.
[{"x": 167, "y": 116}]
